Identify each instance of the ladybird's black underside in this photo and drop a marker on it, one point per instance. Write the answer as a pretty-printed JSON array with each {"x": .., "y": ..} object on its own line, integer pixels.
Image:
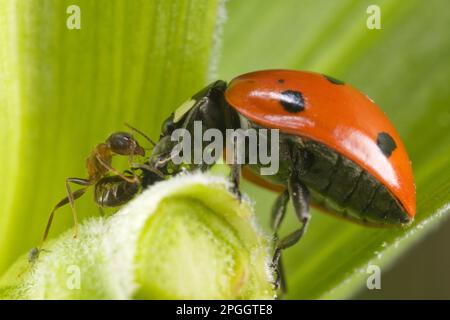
[
  {"x": 338, "y": 183},
  {"x": 354, "y": 191}
]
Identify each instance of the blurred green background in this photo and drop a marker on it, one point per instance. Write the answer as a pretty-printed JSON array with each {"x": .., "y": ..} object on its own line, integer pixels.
[{"x": 62, "y": 91}]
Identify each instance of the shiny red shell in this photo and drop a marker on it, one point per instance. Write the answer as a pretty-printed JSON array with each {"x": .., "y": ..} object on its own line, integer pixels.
[{"x": 334, "y": 114}]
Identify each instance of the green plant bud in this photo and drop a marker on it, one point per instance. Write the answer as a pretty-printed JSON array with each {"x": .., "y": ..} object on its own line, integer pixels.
[{"x": 184, "y": 238}]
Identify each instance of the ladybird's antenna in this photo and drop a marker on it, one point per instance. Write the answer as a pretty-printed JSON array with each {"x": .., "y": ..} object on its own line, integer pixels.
[{"x": 141, "y": 133}]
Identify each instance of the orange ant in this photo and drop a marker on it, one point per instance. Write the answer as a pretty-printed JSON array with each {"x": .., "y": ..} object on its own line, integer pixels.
[{"x": 110, "y": 190}]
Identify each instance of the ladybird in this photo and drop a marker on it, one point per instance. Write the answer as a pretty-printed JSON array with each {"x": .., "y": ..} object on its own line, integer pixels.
[{"x": 337, "y": 148}]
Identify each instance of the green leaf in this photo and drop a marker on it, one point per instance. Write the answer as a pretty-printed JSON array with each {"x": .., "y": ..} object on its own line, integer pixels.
[
  {"x": 404, "y": 67},
  {"x": 63, "y": 91},
  {"x": 185, "y": 238}
]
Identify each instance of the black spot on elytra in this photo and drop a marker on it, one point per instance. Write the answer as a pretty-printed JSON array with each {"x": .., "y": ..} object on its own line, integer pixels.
[
  {"x": 333, "y": 80},
  {"x": 386, "y": 143},
  {"x": 280, "y": 80},
  {"x": 292, "y": 101}
]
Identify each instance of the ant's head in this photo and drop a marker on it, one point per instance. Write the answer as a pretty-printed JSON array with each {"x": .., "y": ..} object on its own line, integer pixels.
[{"x": 123, "y": 143}]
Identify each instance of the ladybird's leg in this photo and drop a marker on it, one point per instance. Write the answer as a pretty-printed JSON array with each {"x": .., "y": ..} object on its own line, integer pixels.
[
  {"x": 235, "y": 180},
  {"x": 162, "y": 160},
  {"x": 278, "y": 213},
  {"x": 280, "y": 280},
  {"x": 166, "y": 166},
  {"x": 131, "y": 161},
  {"x": 236, "y": 172},
  {"x": 148, "y": 168},
  {"x": 300, "y": 200},
  {"x": 71, "y": 197}
]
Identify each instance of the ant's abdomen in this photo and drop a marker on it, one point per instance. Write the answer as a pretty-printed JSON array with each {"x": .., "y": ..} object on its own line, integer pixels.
[{"x": 113, "y": 191}]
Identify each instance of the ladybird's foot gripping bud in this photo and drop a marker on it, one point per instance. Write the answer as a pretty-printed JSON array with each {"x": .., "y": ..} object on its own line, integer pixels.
[{"x": 185, "y": 238}]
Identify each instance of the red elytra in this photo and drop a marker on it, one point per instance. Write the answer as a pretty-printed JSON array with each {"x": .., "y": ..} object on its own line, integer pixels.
[{"x": 335, "y": 114}]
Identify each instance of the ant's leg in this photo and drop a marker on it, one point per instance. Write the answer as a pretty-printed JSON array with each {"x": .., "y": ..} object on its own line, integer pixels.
[
  {"x": 83, "y": 182},
  {"x": 115, "y": 171},
  {"x": 277, "y": 216},
  {"x": 131, "y": 156},
  {"x": 131, "y": 163},
  {"x": 63, "y": 202}
]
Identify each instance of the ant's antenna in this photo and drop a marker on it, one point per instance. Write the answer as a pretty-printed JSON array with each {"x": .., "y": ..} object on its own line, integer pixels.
[{"x": 141, "y": 133}]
